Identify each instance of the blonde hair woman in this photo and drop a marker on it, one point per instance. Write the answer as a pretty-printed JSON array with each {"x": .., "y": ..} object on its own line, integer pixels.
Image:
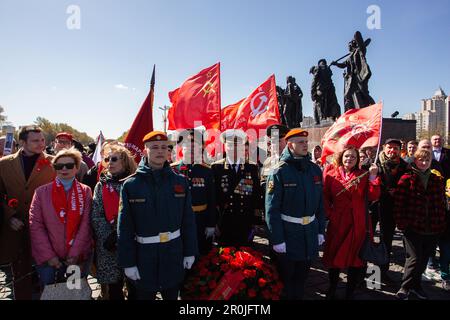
[
  {"x": 59, "y": 220},
  {"x": 118, "y": 163}
]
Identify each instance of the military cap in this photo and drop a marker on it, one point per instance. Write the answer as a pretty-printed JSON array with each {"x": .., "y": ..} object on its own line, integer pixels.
[
  {"x": 190, "y": 135},
  {"x": 393, "y": 141},
  {"x": 282, "y": 130},
  {"x": 232, "y": 135},
  {"x": 66, "y": 135},
  {"x": 296, "y": 132},
  {"x": 155, "y": 136}
]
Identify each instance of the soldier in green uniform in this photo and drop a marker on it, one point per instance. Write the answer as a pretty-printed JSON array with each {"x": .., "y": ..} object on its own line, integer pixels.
[
  {"x": 201, "y": 184},
  {"x": 295, "y": 213},
  {"x": 157, "y": 237},
  {"x": 238, "y": 191}
]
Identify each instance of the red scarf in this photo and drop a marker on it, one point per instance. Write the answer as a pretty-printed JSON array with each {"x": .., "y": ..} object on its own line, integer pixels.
[
  {"x": 110, "y": 203},
  {"x": 68, "y": 208}
]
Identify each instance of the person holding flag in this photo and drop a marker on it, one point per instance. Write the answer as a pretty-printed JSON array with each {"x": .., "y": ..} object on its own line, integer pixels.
[{"x": 347, "y": 189}]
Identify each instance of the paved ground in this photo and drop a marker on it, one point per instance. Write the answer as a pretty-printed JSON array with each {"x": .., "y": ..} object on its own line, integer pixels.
[{"x": 317, "y": 283}]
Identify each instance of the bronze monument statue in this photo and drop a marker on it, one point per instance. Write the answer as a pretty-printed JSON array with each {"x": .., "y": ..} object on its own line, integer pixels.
[
  {"x": 293, "y": 110},
  {"x": 357, "y": 74},
  {"x": 323, "y": 93}
]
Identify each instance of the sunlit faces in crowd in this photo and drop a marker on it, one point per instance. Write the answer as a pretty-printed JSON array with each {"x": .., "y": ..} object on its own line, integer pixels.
[
  {"x": 298, "y": 146},
  {"x": 235, "y": 150},
  {"x": 411, "y": 148},
  {"x": 156, "y": 153},
  {"x": 32, "y": 141},
  {"x": 436, "y": 141},
  {"x": 424, "y": 144},
  {"x": 62, "y": 143},
  {"x": 422, "y": 159},
  {"x": 392, "y": 150}
]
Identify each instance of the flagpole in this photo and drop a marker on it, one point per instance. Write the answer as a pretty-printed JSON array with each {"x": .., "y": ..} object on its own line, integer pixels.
[
  {"x": 381, "y": 130},
  {"x": 220, "y": 102}
]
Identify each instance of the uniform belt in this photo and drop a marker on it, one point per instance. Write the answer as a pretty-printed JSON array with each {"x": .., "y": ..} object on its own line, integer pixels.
[
  {"x": 303, "y": 220},
  {"x": 199, "y": 208},
  {"x": 161, "y": 238}
]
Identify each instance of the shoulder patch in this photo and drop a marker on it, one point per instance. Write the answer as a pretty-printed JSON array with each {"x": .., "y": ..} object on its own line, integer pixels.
[{"x": 278, "y": 165}]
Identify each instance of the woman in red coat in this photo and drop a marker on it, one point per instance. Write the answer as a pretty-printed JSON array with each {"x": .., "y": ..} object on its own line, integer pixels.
[{"x": 346, "y": 211}]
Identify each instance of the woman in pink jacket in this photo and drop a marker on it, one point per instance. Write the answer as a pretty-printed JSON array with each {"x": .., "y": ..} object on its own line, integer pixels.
[{"x": 60, "y": 222}]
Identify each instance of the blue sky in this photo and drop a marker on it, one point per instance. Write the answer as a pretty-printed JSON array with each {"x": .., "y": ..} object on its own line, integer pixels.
[{"x": 72, "y": 75}]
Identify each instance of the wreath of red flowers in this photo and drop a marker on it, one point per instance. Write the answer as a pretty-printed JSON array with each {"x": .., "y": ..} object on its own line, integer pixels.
[{"x": 259, "y": 278}]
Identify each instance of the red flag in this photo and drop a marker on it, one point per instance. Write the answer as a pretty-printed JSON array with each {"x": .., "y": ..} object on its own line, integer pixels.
[
  {"x": 356, "y": 127},
  {"x": 198, "y": 99},
  {"x": 260, "y": 109},
  {"x": 143, "y": 124},
  {"x": 228, "y": 117}
]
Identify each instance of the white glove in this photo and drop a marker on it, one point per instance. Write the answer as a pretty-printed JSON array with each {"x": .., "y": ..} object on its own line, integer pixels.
[
  {"x": 188, "y": 262},
  {"x": 132, "y": 273},
  {"x": 321, "y": 239},
  {"x": 280, "y": 248},
  {"x": 210, "y": 232}
]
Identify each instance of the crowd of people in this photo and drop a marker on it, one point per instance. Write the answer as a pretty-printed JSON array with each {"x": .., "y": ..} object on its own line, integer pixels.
[{"x": 139, "y": 227}]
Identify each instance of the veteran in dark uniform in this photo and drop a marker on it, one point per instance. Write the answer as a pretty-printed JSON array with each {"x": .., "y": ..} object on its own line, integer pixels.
[
  {"x": 276, "y": 145},
  {"x": 201, "y": 184},
  {"x": 295, "y": 213},
  {"x": 238, "y": 191},
  {"x": 157, "y": 237}
]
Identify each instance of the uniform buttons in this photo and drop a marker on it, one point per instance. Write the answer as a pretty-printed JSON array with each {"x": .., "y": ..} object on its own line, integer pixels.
[
  {"x": 242, "y": 197},
  {"x": 231, "y": 203},
  {"x": 242, "y": 204},
  {"x": 231, "y": 197},
  {"x": 242, "y": 210}
]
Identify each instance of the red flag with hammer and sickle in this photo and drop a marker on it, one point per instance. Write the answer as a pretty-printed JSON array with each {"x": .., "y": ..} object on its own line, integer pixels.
[
  {"x": 356, "y": 127},
  {"x": 260, "y": 109},
  {"x": 197, "y": 100}
]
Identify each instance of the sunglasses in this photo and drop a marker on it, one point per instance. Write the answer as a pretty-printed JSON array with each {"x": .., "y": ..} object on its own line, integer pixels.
[
  {"x": 60, "y": 166},
  {"x": 112, "y": 159}
]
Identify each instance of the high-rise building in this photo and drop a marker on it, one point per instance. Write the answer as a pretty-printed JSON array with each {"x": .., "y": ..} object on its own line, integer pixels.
[{"x": 433, "y": 117}]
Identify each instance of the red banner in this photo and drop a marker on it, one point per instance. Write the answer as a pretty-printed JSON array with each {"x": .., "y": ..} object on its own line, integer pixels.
[
  {"x": 356, "y": 127},
  {"x": 198, "y": 99},
  {"x": 143, "y": 124},
  {"x": 260, "y": 109}
]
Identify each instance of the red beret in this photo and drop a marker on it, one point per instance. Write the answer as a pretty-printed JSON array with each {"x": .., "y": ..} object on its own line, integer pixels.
[
  {"x": 66, "y": 135},
  {"x": 155, "y": 136},
  {"x": 297, "y": 132}
]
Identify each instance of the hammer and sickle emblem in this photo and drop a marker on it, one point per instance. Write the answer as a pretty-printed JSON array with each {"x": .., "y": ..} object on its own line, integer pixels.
[
  {"x": 256, "y": 110},
  {"x": 207, "y": 88}
]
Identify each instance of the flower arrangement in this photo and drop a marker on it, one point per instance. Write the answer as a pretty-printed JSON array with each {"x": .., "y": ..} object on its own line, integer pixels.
[{"x": 230, "y": 273}]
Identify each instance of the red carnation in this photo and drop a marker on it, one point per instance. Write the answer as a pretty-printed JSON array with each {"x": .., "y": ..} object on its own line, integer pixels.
[
  {"x": 262, "y": 282},
  {"x": 13, "y": 203},
  {"x": 179, "y": 188},
  {"x": 204, "y": 272}
]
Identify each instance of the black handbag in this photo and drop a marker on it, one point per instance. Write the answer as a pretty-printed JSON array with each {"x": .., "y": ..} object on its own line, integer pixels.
[{"x": 371, "y": 251}]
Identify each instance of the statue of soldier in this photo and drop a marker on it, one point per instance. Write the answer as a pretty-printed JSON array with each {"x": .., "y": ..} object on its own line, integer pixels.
[
  {"x": 357, "y": 75},
  {"x": 293, "y": 104},
  {"x": 280, "y": 99},
  {"x": 323, "y": 93}
]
